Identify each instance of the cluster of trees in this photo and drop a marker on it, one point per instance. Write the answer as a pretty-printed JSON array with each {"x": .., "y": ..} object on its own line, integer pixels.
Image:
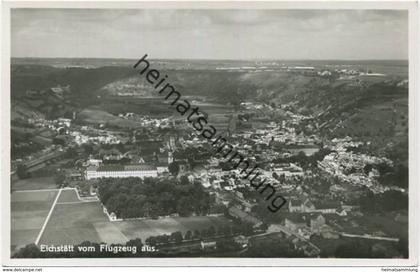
[
  {"x": 227, "y": 245},
  {"x": 368, "y": 249},
  {"x": 212, "y": 231},
  {"x": 134, "y": 197},
  {"x": 346, "y": 250},
  {"x": 387, "y": 201},
  {"x": 59, "y": 141},
  {"x": 396, "y": 175},
  {"x": 273, "y": 248},
  {"x": 22, "y": 171},
  {"x": 60, "y": 179},
  {"x": 22, "y": 144},
  {"x": 173, "y": 168},
  {"x": 174, "y": 237}
]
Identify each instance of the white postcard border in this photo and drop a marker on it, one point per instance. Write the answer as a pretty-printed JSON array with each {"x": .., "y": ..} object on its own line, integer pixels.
[{"x": 414, "y": 134}]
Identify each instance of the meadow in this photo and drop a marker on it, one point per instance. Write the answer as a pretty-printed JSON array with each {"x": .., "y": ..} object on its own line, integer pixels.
[
  {"x": 74, "y": 221},
  {"x": 29, "y": 210},
  {"x": 36, "y": 183}
]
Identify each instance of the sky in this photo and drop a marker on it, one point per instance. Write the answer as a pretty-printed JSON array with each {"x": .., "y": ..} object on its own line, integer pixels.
[{"x": 210, "y": 34}]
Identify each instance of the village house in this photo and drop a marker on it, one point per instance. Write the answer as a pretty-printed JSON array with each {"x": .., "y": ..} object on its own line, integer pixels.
[
  {"x": 208, "y": 245},
  {"x": 295, "y": 222},
  {"x": 316, "y": 222},
  {"x": 327, "y": 207},
  {"x": 300, "y": 206}
]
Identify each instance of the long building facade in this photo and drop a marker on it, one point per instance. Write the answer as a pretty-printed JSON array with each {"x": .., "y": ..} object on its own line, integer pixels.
[{"x": 121, "y": 171}]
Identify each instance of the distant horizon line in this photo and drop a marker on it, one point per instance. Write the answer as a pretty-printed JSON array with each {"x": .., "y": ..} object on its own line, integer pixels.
[{"x": 198, "y": 59}]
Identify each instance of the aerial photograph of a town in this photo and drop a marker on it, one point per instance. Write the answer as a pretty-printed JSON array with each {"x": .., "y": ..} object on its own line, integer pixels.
[{"x": 210, "y": 133}]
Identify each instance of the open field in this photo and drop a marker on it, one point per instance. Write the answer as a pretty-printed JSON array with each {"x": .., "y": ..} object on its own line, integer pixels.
[
  {"x": 34, "y": 184},
  {"x": 150, "y": 227},
  {"x": 29, "y": 210},
  {"x": 387, "y": 223},
  {"x": 74, "y": 221},
  {"x": 68, "y": 196}
]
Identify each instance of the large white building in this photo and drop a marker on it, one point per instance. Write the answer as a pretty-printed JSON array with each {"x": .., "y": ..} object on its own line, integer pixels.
[{"x": 121, "y": 171}]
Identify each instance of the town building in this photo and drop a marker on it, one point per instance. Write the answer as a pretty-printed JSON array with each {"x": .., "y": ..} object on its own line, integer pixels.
[
  {"x": 121, "y": 171},
  {"x": 207, "y": 244},
  {"x": 316, "y": 222},
  {"x": 299, "y": 206}
]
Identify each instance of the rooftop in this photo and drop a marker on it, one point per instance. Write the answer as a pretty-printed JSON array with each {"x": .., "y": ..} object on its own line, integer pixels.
[{"x": 132, "y": 167}]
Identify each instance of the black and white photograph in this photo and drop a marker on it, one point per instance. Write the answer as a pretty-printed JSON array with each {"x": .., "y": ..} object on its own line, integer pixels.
[{"x": 210, "y": 132}]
